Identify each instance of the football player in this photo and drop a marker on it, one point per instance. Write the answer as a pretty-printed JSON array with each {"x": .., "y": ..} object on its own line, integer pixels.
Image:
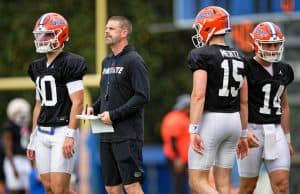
[
  {"x": 218, "y": 110},
  {"x": 15, "y": 133},
  {"x": 269, "y": 113},
  {"x": 59, "y": 97}
]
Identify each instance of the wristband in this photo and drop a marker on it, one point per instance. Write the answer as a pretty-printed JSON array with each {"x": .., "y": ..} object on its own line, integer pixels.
[
  {"x": 31, "y": 144},
  {"x": 244, "y": 133},
  {"x": 70, "y": 132},
  {"x": 194, "y": 128},
  {"x": 288, "y": 137}
]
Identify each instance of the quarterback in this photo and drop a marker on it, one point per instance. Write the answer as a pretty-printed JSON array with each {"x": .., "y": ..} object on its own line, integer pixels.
[
  {"x": 219, "y": 93},
  {"x": 59, "y": 97},
  {"x": 269, "y": 113}
]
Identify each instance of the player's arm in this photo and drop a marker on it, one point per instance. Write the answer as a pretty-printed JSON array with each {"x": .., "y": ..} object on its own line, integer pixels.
[
  {"x": 196, "y": 108},
  {"x": 36, "y": 111},
  {"x": 244, "y": 104},
  {"x": 242, "y": 148},
  {"x": 76, "y": 93},
  {"x": 76, "y": 108},
  {"x": 7, "y": 139},
  {"x": 198, "y": 96},
  {"x": 285, "y": 119},
  {"x": 35, "y": 114}
]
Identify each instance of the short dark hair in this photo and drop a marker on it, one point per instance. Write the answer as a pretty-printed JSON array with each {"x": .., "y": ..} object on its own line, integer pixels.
[{"x": 124, "y": 22}]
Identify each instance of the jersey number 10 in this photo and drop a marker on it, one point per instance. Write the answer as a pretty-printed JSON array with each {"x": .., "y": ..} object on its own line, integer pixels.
[{"x": 41, "y": 87}]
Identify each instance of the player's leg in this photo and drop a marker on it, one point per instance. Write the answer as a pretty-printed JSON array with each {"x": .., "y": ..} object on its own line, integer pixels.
[
  {"x": 198, "y": 182},
  {"x": 223, "y": 166},
  {"x": 110, "y": 172},
  {"x": 222, "y": 179},
  {"x": 225, "y": 155},
  {"x": 23, "y": 166},
  {"x": 247, "y": 185},
  {"x": 249, "y": 167},
  {"x": 45, "y": 179},
  {"x": 279, "y": 168},
  {"x": 13, "y": 183},
  {"x": 134, "y": 188},
  {"x": 179, "y": 178},
  {"x": 17, "y": 184},
  {"x": 115, "y": 189},
  {"x": 198, "y": 171},
  {"x": 199, "y": 164},
  {"x": 128, "y": 155},
  {"x": 42, "y": 159},
  {"x": 60, "y": 183},
  {"x": 61, "y": 167},
  {"x": 280, "y": 181}
]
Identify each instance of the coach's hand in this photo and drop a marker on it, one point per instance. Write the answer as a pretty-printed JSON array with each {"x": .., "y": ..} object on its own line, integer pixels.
[
  {"x": 68, "y": 147},
  {"x": 89, "y": 111},
  {"x": 197, "y": 143},
  {"x": 105, "y": 118}
]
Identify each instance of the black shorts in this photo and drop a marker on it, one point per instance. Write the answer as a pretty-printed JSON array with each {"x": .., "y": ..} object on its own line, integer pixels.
[{"x": 122, "y": 162}]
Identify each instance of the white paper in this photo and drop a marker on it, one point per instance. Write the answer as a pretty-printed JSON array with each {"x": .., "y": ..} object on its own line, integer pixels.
[
  {"x": 96, "y": 124},
  {"x": 86, "y": 117}
]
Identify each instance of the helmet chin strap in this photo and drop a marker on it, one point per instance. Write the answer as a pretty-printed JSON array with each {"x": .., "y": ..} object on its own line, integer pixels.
[
  {"x": 58, "y": 47},
  {"x": 50, "y": 48},
  {"x": 270, "y": 56}
]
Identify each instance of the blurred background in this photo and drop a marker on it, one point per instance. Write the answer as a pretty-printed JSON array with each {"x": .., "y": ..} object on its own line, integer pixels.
[{"x": 162, "y": 33}]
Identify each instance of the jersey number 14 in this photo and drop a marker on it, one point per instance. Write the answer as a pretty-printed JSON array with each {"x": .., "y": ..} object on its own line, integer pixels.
[{"x": 267, "y": 100}]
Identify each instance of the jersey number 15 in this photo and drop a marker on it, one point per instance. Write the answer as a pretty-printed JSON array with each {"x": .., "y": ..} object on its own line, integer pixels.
[{"x": 226, "y": 89}]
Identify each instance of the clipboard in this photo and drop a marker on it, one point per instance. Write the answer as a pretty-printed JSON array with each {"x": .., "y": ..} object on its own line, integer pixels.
[{"x": 96, "y": 124}]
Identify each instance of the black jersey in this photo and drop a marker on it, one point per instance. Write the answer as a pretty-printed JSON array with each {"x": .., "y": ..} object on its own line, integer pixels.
[
  {"x": 15, "y": 131},
  {"x": 225, "y": 73},
  {"x": 124, "y": 90},
  {"x": 51, "y": 85},
  {"x": 265, "y": 91}
]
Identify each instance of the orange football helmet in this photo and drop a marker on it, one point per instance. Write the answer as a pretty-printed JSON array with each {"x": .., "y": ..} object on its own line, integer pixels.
[
  {"x": 266, "y": 35},
  {"x": 50, "y": 32},
  {"x": 211, "y": 20}
]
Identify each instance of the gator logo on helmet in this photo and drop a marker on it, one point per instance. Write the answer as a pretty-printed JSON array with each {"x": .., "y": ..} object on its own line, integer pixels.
[
  {"x": 259, "y": 32},
  {"x": 206, "y": 14},
  {"x": 56, "y": 21}
]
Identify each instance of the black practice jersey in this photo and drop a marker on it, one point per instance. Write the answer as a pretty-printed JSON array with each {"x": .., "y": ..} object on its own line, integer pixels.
[
  {"x": 225, "y": 73},
  {"x": 15, "y": 131},
  {"x": 265, "y": 91},
  {"x": 51, "y": 85}
]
